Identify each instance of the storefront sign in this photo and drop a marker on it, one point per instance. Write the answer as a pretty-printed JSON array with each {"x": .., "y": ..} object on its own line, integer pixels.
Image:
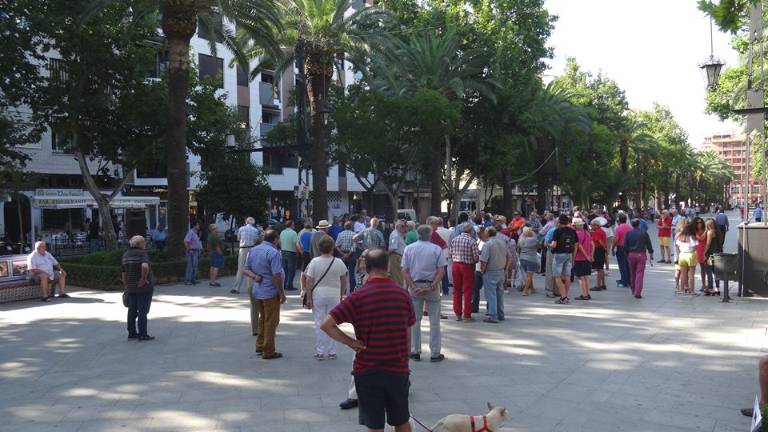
[
  {"x": 65, "y": 202},
  {"x": 60, "y": 192}
]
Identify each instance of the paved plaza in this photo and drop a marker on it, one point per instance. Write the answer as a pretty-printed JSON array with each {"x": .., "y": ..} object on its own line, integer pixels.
[{"x": 660, "y": 364}]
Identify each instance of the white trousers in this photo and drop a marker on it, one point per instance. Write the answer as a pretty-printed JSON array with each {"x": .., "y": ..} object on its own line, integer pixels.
[
  {"x": 321, "y": 306},
  {"x": 241, "y": 282}
]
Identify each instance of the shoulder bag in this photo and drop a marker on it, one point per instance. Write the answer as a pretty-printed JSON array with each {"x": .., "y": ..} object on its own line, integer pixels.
[{"x": 304, "y": 295}]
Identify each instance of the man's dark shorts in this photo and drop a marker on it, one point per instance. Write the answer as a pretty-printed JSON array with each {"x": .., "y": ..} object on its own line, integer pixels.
[{"x": 380, "y": 393}]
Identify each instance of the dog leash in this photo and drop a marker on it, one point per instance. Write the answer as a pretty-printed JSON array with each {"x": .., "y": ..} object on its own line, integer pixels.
[{"x": 421, "y": 424}]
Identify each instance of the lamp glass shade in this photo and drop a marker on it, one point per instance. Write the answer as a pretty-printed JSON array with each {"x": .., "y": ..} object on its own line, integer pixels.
[{"x": 712, "y": 68}]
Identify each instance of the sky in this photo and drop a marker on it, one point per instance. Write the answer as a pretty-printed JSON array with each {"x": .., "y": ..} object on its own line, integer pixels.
[{"x": 651, "y": 48}]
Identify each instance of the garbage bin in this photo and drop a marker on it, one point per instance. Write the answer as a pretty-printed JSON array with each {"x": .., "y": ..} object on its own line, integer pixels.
[{"x": 725, "y": 264}]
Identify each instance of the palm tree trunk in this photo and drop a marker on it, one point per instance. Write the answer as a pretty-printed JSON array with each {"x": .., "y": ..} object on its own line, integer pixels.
[
  {"x": 319, "y": 73},
  {"x": 179, "y": 22}
]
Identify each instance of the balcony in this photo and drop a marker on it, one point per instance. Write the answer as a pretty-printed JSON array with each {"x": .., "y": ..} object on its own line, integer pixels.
[{"x": 267, "y": 95}]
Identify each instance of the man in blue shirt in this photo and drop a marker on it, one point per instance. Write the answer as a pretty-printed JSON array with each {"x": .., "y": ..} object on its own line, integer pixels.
[
  {"x": 265, "y": 266},
  {"x": 758, "y": 214},
  {"x": 159, "y": 237},
  {"x": 335, "y": 228},
  {"x": 550, "y": 286}
]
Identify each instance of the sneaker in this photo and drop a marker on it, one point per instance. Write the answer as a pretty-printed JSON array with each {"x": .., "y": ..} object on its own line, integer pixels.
[
  {"x": 415, "y": 356},
  {"x": 133, "y": 336},
  {"x": 332, "y": 356},
  {"x": 63, "y": 295},
  {"x": 638, "y": 296},
  {"x": 439, "y": 358},
  {"x": 348, "y": 404},
  {"x": 550, "y": 295},
  {"x": 319, "y": 357},
  {"x": 562, "y": 300},
  {"x": 146, "y": 338}
]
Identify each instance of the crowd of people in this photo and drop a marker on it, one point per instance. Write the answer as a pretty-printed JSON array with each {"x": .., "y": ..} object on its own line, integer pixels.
[{"x": 383, "y": 279}]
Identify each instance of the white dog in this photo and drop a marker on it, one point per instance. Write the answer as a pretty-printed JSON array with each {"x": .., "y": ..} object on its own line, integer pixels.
[{"x": 490, "y": 422}]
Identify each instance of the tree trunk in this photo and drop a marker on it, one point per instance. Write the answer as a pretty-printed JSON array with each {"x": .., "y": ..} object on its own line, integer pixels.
[
  {"x": 21, "y": 222},
  {"x": 506, "y": 194},
  {"x": 435, "y": 186},
  {"x": 541, "y": 194},
  {"x": 179, "y": 22},
  {"x": 319, "y": 71}
]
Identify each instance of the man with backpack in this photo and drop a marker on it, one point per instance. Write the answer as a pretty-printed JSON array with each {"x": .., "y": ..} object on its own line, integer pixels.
[{"x": 563, "y": 247}]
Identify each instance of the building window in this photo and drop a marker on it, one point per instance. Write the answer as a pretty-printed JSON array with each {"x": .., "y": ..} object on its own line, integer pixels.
[
  {"x": 57, "y": 69},
  {"x": 60, "y": 144},
  {"x": 245, "y": 115},
  {"x": 268, "y": 117},
  {"x": 267, "y": 78},
  {"x": 158, "y": 169},
  {"x": 212, "y": 68},
  {"x": 205, "y": 32},
  {"x": 161, "y": 64},
  {"x": 242, "y": 77}
]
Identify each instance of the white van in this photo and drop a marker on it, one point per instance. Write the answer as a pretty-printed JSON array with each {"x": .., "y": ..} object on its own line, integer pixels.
[{"x": 406, "y": 214}]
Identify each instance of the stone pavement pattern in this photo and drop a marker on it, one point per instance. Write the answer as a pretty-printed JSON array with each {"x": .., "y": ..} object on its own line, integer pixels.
[{"x": 660, "y": 364}]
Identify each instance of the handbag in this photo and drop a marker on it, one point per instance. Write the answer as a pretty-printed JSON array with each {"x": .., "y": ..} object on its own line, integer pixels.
[{"x": 304, "y": 295}]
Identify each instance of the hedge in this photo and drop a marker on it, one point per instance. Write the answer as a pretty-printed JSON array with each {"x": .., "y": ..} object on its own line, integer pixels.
[{"x": 102, "y": 270}]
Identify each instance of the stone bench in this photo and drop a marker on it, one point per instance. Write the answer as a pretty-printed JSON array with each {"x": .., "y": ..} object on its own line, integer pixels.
[{"x": 14, "y": 280}]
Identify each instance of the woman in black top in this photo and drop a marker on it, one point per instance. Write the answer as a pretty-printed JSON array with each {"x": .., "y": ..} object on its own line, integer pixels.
[{"x": 714, "y": 245}]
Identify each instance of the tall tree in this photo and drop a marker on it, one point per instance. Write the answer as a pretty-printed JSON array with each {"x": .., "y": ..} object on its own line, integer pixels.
[{"x": 322, "y": 32}]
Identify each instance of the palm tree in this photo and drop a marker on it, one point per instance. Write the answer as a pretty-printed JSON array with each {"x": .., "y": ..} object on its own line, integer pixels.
[
  {"x": 321, "y": 33},
  {"x": 434, "y": 61},
  {"x": 179, "y": 20}
]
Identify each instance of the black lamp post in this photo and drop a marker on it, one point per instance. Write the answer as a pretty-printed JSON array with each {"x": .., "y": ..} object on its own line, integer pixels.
[{"x": 712, "y": 67}]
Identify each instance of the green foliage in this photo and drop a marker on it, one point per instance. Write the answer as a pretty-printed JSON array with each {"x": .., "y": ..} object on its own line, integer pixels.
[{"x": 235, "y": 186}]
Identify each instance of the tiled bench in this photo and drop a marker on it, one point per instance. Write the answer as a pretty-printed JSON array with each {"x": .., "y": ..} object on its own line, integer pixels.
[{"x": 14, "y": 281}]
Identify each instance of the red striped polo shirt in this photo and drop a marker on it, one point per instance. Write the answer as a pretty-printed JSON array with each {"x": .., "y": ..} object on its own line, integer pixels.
[{"x": 381, "y": 313}]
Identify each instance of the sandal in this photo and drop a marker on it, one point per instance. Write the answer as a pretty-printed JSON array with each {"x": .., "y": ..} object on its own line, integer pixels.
[
  {"x": 490, "y": 320},
  {"x": 581, "y": 297}
]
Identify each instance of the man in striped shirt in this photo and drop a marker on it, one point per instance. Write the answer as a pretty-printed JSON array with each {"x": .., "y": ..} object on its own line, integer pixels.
[{"x": 381, "y": 313}]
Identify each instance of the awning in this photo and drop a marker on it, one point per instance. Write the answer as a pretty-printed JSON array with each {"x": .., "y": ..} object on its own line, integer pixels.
[{"x": 64, "y": 202}]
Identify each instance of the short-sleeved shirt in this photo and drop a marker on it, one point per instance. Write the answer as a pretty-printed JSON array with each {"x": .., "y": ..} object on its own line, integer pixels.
[
  {"x": 214, "y": 242},
  {"x": 585, "y": 240},
  {"x": 330, "y": 285},
  {"x": 315, "y": 242},
  {"x": 566, "y": 239},
  {"x": 345, "y": 241},
  {"x": 194, "y": 240},
  {"x": 396, "y": 243},
  {"x": 335, "y": 230},
  {"x": 381, "y": 313},
  {"x": 599, "y": 238},
  {"x": 621, "y": 231},
  {"x": 265, "y": 260},
  {"x": 133, "y": 258},
  {"x": 305, "y": 239},
  {"x": 44, "y": 263},
  {"x": 667, "y": 230},
  {"x": 371, "y": 238},
  {"x": 464, "y": 249},
  {"x": 528, "y": 247},
  {"x": 248, "y": 235},
  {"x": 411, "y": 237},
  {"x": 288, "y": 240},
  {"x": 422, "y": 259},
  {"x": 494, "y": 254}
]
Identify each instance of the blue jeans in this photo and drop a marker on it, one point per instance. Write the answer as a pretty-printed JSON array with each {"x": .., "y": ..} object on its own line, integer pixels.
[
  {"x": 289, "y": 265},
  {"x": 476, "y": 292},
  {"x": 193, "y": 257},
  {"x": 493, "y": 284},
  {"x": 446, "y": 283},
  {"x": 710, "y": 272},
  {"x": 621, "y": 258},
  {"x": 138, "y": 308}
]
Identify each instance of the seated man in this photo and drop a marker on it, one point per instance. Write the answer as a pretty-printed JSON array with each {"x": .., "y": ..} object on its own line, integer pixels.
[{"x": 44, "y": 269}]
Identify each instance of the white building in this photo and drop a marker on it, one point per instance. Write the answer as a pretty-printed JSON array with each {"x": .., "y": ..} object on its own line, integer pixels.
[{"x": 62, "y": 204}]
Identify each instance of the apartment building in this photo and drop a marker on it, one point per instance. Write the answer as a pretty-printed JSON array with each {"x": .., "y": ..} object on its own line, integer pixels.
[
  {"x": 61, "y": 204},
  {"x": 731, "y": 146}
]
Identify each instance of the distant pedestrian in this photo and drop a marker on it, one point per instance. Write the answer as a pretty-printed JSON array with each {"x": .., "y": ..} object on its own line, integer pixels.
[
  {"x": 290, "y": 250},
  {"x": 494, "y": 261},
  {"x": 345, "y": 247},
  {"x": 381, "y": 313},
  {"x": 599, "y": 253},
  {"x": 423, "y": 266},
  {"x": 137, "y": 280},
  {"x": 757, "y": 213},
  {"x": 477, "y": 287},
  {"x": 721, "y": 220},
  {"x": 215, "y": 255},
  {"x": 410, "y": 233},
  {"x": 529, "y": 259},
  {"x": 321, "y": 230},
  {"x": 563, "y": 246},
  {"x": 464, "y": 254},
  {"x": 193, "y": 245},
  {"x": 685, "y": 244},
  {"x": 265, "y": 267},
  {"x": 396, "y": 251},
  {"x": 637, "y": 243},
  {"x": 582, "y": 267},
  {"x": 713, "y": 246},
  {"x": 620, "y": 251},
  {"x": 664, "y": 225},
  {"x": 247, "y": 236}
]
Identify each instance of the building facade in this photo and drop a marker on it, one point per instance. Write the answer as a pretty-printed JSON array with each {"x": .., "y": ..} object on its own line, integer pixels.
[
  {"x": 60, "y": 204},
  {"x": 731, "y": 147}
]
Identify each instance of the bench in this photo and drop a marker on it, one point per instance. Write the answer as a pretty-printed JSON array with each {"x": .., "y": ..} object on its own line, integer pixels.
[{"x": 15, "y": 284}]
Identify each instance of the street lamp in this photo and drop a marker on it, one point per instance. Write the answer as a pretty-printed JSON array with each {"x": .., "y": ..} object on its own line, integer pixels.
[
  {"x": 712, "y": 67},
  {"x": 325, "y": 113}
]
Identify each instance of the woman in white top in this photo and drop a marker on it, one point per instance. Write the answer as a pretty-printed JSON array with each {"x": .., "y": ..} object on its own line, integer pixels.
[
  {"x": 326, "y": 280},
  {"x": 685, "y": 246}
]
